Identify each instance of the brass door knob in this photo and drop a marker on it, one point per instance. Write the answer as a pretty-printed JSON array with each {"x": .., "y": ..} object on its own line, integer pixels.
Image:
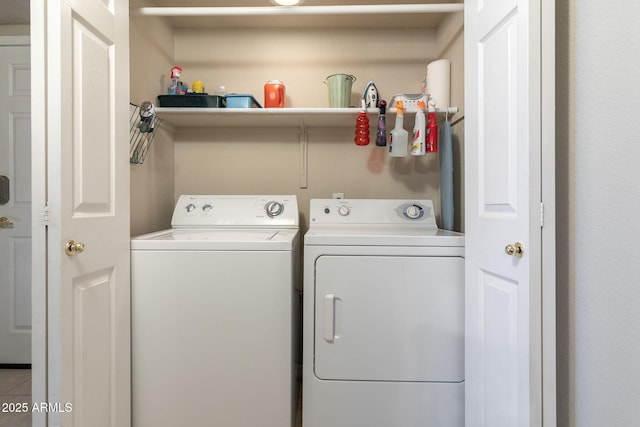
[
  {"x": 5, "y": 223},
  {"x": 517, "y": 249},
  {"x": 71, "y": 247}
]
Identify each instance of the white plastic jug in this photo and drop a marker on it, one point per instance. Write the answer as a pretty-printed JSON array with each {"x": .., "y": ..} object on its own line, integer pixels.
[{"x": 339, "y": 89}]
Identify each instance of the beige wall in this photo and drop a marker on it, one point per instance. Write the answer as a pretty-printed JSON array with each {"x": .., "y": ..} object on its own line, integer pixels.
[
  {"x": 152, "y": 183},
  {"x": 450, "y": 37},
  {"x": 261, "y": 160},
  {"x": 597, "y": 153},
  {"x": 244, "y": 59}
]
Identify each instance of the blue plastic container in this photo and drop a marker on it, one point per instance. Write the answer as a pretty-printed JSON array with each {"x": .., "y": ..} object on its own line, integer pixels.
[{"x": 236, "y": 100}]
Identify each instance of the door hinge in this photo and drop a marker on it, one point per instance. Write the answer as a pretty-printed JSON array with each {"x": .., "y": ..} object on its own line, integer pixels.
[
  {"x": 541, "y": 214},
  {"x": 45, "y": 214}
]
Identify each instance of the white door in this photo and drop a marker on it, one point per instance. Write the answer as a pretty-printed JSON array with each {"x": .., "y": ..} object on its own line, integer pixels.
[
  {"x": 504, "y": 100},
  {"x": 15, "y": 202},
  {"x": 84, "y": 130}
]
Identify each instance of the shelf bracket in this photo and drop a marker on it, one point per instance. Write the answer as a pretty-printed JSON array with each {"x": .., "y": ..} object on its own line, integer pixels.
[{"x": 303, "y": 141}]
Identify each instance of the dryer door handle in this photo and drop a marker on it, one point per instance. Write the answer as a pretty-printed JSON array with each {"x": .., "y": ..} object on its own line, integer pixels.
[{"x": 329, "y": 318}]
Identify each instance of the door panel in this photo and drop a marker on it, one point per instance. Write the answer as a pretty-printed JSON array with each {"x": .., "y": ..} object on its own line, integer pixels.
[
  {"x": 22, "y": 289},
  {"x": 499, "y": 303},
  {"x": 389, "y": 318},
  {"x": 15, "y": 241},
  {"x": 498, "y": 137},
  {"x": 93, "y": 321},
  {"x": 93, "y": 138}
]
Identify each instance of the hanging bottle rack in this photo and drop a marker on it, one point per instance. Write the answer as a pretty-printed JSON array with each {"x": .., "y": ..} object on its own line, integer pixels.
[{"x": 143, "y": 125}]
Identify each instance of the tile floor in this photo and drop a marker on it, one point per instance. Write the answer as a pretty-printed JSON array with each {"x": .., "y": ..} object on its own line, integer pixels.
[{"x": 15, "y": 388}]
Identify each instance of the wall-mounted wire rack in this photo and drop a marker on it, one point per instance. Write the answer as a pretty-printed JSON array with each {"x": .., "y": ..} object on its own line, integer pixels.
[{"x": 143, "y": 125}]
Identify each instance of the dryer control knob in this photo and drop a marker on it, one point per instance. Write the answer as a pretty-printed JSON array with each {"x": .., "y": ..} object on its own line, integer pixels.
[
  {"x": 413, "y": 212},
  {"x": 190, "y": 207},
  {"x": 344, "y": 210},
  {"x": 207, "y": 207},
  {"x": 274, "y": 209}
]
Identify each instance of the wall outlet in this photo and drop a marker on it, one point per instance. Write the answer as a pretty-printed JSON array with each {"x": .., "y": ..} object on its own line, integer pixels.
[{"x": 338, "y": 195}]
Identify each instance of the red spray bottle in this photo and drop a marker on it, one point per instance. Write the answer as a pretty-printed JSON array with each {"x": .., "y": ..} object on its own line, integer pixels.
[
  {"x": 362, "y": 127},
  {"x": 432, "y": 130}
]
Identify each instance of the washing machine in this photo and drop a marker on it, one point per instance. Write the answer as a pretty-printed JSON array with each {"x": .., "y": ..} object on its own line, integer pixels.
[
  {"x": 214, "y": 303},
  {"x": 383, "y": 316}
]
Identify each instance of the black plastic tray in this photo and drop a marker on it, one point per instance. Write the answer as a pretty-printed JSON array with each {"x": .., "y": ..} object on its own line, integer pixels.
[{"x": 192, "y": 100}]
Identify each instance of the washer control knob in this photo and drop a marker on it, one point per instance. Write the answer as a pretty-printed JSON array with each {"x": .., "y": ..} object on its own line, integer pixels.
[
  {"x": 207, "y": 207},
  {"x": 344, "y": 210},
  {"x": 190, "y": 207},
  {"x": 274, "y": 209},
  {"x": 413, "y": 212}
]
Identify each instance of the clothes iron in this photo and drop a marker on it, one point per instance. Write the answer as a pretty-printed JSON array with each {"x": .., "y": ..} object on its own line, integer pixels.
[{"x": 370, "y": 95}]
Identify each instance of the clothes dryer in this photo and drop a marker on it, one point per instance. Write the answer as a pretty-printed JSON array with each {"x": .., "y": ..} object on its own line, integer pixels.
[
  {"x": 214, "y": 304},
  {"x": 383, "y": 316}
]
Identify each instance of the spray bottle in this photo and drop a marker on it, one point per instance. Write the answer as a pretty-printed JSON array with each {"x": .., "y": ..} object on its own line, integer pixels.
[
  {"x": 381, "y": 134},
  {"x": 362, "y": 127},
  {"x": 418, "y": 138},
  {"x": 432, "y": 130},
  {"x": 399, "y": 137},
  {"x": 175, "y": 77}
]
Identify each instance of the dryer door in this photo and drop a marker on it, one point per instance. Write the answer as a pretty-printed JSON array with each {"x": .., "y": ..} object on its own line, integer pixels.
[{"x": 389, "y": 318}]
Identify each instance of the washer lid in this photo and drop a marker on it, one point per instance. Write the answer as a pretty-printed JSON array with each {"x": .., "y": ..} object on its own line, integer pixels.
[{"x": 228, "y": 239}]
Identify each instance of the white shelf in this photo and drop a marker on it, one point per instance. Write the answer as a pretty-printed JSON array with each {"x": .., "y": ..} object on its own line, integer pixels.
[
  {"x": 179, "y": 118},
  {"x": 257, "y": 117},
  {"x": 374, "y": 15},
  {"x": 376, "y": 9}
]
